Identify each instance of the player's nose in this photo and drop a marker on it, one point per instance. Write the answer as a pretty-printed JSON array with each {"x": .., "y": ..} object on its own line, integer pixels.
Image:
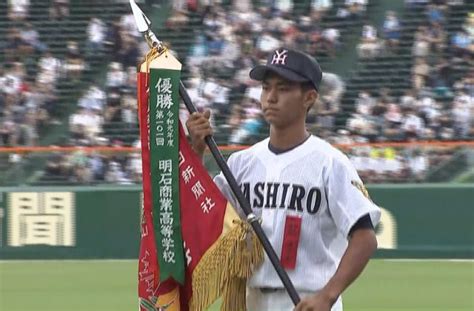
[{"x": 272, "y": 96}]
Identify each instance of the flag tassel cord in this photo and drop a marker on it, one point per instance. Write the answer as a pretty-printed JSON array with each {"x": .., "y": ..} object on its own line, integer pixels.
[{"x": 225, "y": 268}]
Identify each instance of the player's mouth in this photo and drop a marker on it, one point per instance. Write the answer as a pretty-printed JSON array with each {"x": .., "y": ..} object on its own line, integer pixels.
[{"x": 270, "y": 111}]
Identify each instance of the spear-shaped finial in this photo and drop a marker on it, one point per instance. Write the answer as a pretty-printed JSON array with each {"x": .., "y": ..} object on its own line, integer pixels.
[{"x": 144, "y": 26}]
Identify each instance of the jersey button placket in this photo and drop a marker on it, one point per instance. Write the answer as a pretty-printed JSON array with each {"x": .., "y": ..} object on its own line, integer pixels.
[{"x": 272, "y": 215}]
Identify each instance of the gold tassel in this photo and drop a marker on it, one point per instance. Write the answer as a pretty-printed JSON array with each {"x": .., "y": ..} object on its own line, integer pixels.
[{"x": 224, "y": 269}]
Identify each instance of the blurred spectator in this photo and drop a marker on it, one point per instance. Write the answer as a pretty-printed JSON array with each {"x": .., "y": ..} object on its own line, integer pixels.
[
  {"x": 93, "y": 99},
  {"x": 30, "y": 36},
  {"x": 408, "y": 99},
  {"x": 128, "y": 26},
  {"x": 195, "y": 92},
  {"x": 361, "y": 124},
  {"x": 18, "y": 10},
  {"x": 248, "y": 130},
  {"x": 40, "y": 102},
  {"x": 47, "y": 97},
  {"x": 418, "y": 164},
  {"x": 466, "y": 84},
  {"x": 180, "y": 5},
  {"x": 81, "y": 170},
  {"x": 330, "y": 93},
  {"x": 243, "y": 5},
  {"x": 178, "y": 18},
  {"x": 8, "y": 132},
  {"x": 364, "y": 103},
  {"x": 440, "y": 77},
  {"x": 437, "y": 37},
  {"x": 95, "y": 35},
  {"x": 58, "y": 165},
  {"x": 48, "y": 69},
  {"x": 330, "y": 41},
  {"x": 74, "y": 63},
  {"x": 343, "y": 137},
  {"x": 391, "y": 29},
  {"x": 115, "y": 76},
  {"x": 216, "y": 93},
  {"x": 420, "y": 73},
  {"x": 267, "y": 42},
  {"x": 236, "y": 117},
  {"x": 27, "y": 133},
  {"x": 131, "y": 78},
  {"x": 97, "y": 166},
  {"x": 435, "y": 14},
  {"x": 462, "y": 114},
  {"x": 134, "y": 164},
  {"x": 412, "y": 125},
  {"x": 127, "y": 55},
  {"x": 321, "y": 6},
  {"x": 370, "y": 44},
  {"x": 15, "y": 47},
  {"x": 377, "y": 116},
  {"x": 468, "y": 25},
  {"x": 113, "y": 38},
  {"x": 116, "y": 174},
  {"x": 282, "y": 6},
  {"x": 463, "y": 45},
  {"x": 59, "y": 9},
  {"x": 421, "y": 44},
  {"x": 134, "y": 167},
  {"x": 13, "y": 80},
  {"x": 352, "y": 9},
  {"x": 129, "y": 109},
  {"x": 428, "y": 110},
  {"x": 393, "y": 119},
  {"x": 85, "y": 126}
]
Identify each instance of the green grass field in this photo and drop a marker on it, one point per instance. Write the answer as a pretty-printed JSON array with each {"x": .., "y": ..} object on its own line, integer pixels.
[{"x": 111, "y": 286}]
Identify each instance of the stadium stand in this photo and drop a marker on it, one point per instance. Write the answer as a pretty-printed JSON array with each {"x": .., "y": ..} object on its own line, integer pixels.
[{"x": 416, "y": 85}]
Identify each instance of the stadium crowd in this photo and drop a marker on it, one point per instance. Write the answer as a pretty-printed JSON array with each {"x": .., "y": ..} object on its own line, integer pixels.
[
  {"x": 230, "y": 44},
  {"x": 29, "y": 75}
]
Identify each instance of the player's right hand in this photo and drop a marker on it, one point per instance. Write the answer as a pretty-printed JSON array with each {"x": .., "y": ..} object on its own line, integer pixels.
[{"x": 199, "y": 127}]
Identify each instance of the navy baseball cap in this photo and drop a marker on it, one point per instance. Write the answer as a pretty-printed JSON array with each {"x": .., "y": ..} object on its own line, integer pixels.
[{"x": 292, "y": 65}]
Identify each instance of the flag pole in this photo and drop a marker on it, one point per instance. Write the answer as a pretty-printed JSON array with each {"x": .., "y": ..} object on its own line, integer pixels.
[{"x": 144, "y": 26}]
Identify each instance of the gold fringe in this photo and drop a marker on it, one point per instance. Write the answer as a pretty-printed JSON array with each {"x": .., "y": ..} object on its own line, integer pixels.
[{"x": 224, "y": 269}]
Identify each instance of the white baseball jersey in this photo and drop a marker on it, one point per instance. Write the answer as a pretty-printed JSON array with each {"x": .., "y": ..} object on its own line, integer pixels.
[{"x": 314, "y": 181}]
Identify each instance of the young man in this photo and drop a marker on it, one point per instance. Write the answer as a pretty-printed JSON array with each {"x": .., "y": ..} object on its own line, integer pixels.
[{"x": 313, "y": 205}]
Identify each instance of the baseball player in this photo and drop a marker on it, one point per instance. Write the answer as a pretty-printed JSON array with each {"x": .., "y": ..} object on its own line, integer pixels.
[{"x": 312, "y": 204}]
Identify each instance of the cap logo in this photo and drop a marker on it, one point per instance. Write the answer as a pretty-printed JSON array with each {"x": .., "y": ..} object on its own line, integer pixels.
[{"x": 279, "y": 58}]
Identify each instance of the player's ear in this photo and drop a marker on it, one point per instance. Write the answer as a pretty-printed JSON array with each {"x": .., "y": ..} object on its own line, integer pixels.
[{"x": 310, "y": 98}]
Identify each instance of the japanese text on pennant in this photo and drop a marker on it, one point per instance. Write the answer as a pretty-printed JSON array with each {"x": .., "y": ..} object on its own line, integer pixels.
[{"x": 164, "y": 105}]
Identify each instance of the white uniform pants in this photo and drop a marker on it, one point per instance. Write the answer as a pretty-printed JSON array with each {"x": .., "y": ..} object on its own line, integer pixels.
[{"x": 278, "y": 300}]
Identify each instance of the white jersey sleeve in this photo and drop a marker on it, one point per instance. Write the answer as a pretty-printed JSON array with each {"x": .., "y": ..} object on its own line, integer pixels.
[
  {"x": 348, "y": 200},
  {"x": 224, "y": 187}
]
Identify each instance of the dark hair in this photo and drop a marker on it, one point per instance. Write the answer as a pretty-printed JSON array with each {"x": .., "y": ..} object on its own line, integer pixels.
[{"x": 306, "y": 86}]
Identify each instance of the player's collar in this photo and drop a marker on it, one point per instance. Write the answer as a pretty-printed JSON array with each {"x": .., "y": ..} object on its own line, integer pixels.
[{"x": 278, "y": 151}]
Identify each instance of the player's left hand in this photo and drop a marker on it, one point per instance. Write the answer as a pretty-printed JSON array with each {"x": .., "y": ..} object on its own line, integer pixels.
[{"x": 316, "y": 302}]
